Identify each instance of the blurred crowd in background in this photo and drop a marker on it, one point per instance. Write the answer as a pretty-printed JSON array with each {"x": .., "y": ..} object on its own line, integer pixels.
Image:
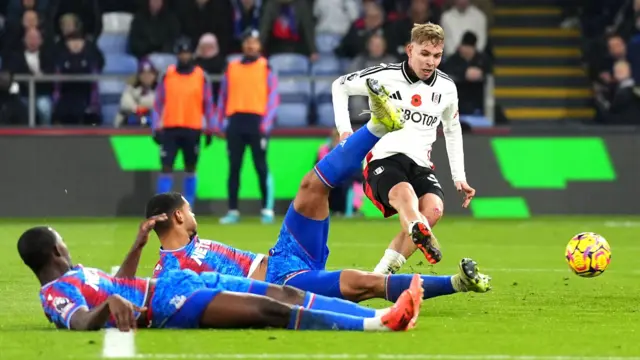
[
  {"x": 300, "y": 38},
  {"x": 611, "y": 53}
]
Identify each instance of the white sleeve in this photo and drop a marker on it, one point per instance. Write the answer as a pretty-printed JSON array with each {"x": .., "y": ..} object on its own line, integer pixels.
[
  {"x": 453, "y": 138},
  {"x": 349, "y": 85}
]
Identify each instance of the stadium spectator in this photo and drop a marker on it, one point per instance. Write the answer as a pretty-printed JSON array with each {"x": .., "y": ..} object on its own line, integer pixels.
[
  {"x": 87, "y": 11},
  {"x": 154, "y": 29},
  {"x": 208, "y": 57},
  {"x": 375, "y": 54},
  {"x": 12, "y": 110},
  {"x": 616, "y": 50},
  {"x": 246, "y": 15},
  {"x": 287, "y": 26},
  {"x": 15, "y": 8},
  {"x": 335, "y": 16},
  {"x": 17, "y": 28},
  {"x": 70, "y": 24},
  {"x": 35, "y": 60},
  {"x": 420, "y": 12},
  {"x": 354, "y": 43},
  {"x": 247, "y": 103},
  {"x": 625, "y": 107},
  {"x": 138, "y": 97},
  {"x": 463, "y": 17},
  {"x": 198, "y": 17},
  {"x": 468, "y": 67},
  {"x": 76, "y": 102}
]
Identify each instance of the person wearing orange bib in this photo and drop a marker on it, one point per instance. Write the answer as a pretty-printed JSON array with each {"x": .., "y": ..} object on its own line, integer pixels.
[
  {"x": 246, "y": 109},
  {"x": 183, "y": 111}
]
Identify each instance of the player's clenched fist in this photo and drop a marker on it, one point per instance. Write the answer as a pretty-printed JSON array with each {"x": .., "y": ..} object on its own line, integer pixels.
[{"x": 123, "y": 312}]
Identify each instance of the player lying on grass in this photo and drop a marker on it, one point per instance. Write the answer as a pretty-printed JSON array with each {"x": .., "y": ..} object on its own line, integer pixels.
[
  {"x": 399, "y": 175},
  {"x": 301, "y": 252},
  {"x": 80, "y": 298}
]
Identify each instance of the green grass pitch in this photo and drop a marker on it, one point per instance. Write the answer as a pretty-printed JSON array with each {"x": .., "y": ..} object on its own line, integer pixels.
[{"x": 537, "y": 308}]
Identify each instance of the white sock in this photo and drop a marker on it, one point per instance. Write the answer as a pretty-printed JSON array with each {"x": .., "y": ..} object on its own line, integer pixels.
[
  {"x": 233, "y": 212},
  {"x": 378, "y": 130},
  {"x": 382, "y": 312},
  {"x": 267, "y": 212},
  {"x": 374, "y": 324},
  {"x": 457, "y": 284},
  {"x": 391, "y": 262}
]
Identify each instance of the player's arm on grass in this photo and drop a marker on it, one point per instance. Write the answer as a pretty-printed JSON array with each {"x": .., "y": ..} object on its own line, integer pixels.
[
  {"x": 129, "y": 266},
  {"x": 123, "y": 312},
  {"x": 352, "y": 84}
]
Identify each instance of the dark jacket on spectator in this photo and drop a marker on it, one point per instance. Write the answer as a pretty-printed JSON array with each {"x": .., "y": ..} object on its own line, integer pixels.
[
  {"x": 355, "y": 41},
  {"x": 17, "y": 64},
  {"x": 215, "y": 17},
  {"x": 470, "y": 93},
  {"x": 625, "y": 107},
  {"x": 151, "y": 34},
  {"x": 12, "y": 109},
  {"x": 73, "y": 100},
  {"x": 288, "y": 27}
]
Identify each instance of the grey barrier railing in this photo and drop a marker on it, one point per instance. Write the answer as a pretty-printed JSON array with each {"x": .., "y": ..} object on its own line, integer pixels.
[{"x": 32, "y": 80}]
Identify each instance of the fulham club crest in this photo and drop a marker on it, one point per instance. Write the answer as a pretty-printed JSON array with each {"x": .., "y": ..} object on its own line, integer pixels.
[{"x": 435, "y": 98}]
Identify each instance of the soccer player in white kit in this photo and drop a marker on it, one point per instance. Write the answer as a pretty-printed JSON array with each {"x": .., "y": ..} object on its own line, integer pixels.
[{"x": 399, "y": 175}]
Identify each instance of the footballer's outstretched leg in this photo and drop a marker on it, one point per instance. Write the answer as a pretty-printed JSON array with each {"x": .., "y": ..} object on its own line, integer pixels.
[
  {"x": 404, "y": 244},
  {"x": 235, "y": 310},
  {"x": 357, "y": 286}
]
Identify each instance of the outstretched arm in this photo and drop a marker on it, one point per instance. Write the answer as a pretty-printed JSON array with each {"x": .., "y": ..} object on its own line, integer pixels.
[{"x": 129, "y": 266}]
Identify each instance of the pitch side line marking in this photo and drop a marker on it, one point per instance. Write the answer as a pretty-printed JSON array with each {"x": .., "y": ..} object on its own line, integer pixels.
[{"x": 118, "y": 344}]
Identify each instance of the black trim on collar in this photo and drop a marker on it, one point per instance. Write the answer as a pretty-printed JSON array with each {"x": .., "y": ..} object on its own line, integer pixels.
[{"x": 411, "y": 76}]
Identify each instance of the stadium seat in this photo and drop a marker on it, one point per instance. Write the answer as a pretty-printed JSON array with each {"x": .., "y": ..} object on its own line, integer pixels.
[
  {"x": 326, "y": 65},
  {"x": 294, "y": 103},
  {"x": 162, "y": 61},
  {"x": 326, "y": 43},
  {"x": 292, "y": 115},
  {"x": 325, "y": 115},
  {"x": 290, "y": 64},
  {"x": 120, "y": 64},
  {"x": 111, "y": 90},
  {"x": 109, "y": 112},
  {"x": 111, "y": 43},
  {"x": 116, "y": 23}
]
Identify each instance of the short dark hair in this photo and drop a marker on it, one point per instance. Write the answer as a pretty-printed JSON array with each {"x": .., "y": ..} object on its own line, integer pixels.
[
  {"x": 164, "y": 203},
  {"x": 36, "y": 247}
]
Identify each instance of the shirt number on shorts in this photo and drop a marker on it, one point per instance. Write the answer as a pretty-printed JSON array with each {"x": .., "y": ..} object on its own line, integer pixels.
[{"x": 433, "y": 179}]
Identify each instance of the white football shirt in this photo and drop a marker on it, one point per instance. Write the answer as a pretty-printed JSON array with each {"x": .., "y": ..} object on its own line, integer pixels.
[{"x": 424, "y": 105}]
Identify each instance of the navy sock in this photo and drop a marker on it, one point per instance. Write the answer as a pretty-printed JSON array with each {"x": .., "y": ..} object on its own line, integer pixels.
[
  {"x": 319, "y": 302},
  {"x": 165, "y": 183},
  {"x": 433, "y": 286},
  {"x": 304, "y": 319},
  {"x": 189, "y": 188},
  {"x": 346, "y": 158}
]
